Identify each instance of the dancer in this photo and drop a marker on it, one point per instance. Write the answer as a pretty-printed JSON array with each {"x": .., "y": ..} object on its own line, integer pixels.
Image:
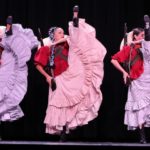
[
  {"x": 15, "y": 50},
  {"x": 78, "y": 71},
  {"x": 137, "y": 108}
]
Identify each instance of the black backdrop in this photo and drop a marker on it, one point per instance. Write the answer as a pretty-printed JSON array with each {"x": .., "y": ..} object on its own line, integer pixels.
[{"x": 108, "y": 17}]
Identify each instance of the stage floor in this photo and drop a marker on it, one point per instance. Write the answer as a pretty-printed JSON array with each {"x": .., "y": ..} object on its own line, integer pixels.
[{"x": 70, "y": 145}]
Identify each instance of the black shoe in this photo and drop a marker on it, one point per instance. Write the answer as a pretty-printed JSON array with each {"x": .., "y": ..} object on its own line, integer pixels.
[
  {"x": 63, "y": 136},
  {"x": 147, "y": 21},
  {"x": 76, "y": 8},
  {"x": 75, "y": 19},
  {"x": 142, "y": 136},
  {"x": 143, "y": 142},
  {"x": 147, "y": 27},
  {"x": 9, "y": 21}
]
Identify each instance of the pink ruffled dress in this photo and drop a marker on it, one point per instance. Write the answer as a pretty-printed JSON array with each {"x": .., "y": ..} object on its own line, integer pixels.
[{"x": 78, "y": 97}]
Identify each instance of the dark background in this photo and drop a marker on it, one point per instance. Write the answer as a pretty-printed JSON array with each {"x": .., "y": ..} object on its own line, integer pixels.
[{"x": 108, "y": 17}]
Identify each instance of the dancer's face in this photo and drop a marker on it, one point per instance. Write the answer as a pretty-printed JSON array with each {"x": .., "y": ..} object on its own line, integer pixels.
[
  {"x": 140, "y": 36},
  {"x": 58, "y": 34}
]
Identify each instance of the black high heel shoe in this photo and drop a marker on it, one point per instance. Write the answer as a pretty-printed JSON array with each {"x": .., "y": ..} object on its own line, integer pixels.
[
  {"x": 147, "y": 27},
  {"x": 75, "y": 16},
  {"x": 63, "y": 137},
  {"x": 9, "y": 21},
  {"x": 142, "y": 136},
  {"x": 147, "y": 21}
]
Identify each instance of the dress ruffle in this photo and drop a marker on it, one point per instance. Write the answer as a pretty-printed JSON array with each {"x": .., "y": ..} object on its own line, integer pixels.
[
  {"x": 77, "y": 99},
  {"x": 135, "y": 105},
  {"x": 138, "y": 111},
  {"x": 14, "y": 71}
]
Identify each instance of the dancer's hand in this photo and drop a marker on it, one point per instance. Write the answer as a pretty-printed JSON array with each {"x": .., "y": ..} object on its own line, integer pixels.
[
  {"x": 48, "y": 79},
  {"x": 125, "y": 76},
  {"x": 132, "y": 43}
]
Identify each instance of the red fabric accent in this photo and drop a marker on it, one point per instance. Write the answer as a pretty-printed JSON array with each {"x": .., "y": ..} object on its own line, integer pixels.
[
  {"x": 43, "y": 54},
  {"x": 60, "y": 64},
  {"x": 123, "y": 55}
]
